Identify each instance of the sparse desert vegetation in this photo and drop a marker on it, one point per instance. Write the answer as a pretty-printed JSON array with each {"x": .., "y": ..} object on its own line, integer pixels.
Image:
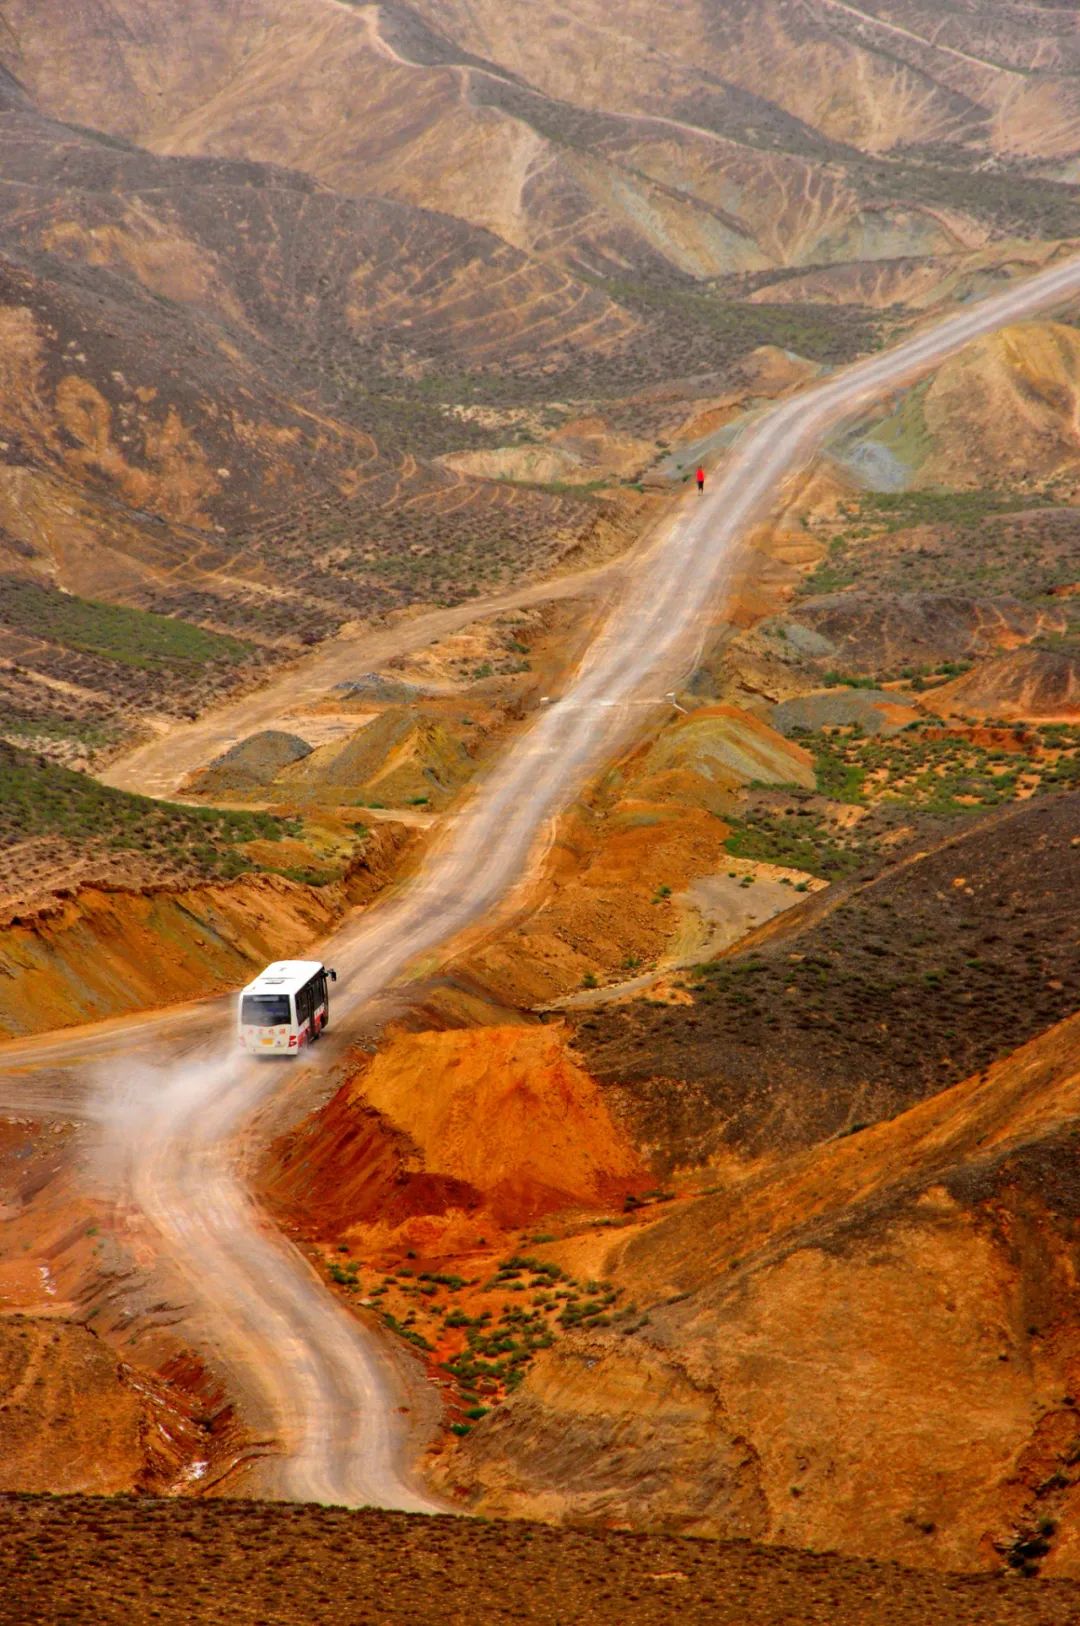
[
  {"x": 483, "y": 1331},
  {"x": 1022, "y": 543},
  {"x": 79, "y": 672},
  {"x": 946, "y": 770},
  {"x": 182, "y": 1557}
]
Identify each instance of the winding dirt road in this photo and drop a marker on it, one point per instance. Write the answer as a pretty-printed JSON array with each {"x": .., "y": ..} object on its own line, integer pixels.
[
  {"x": 172, "y": 1139},
  {"x": 160, "y": 767}
]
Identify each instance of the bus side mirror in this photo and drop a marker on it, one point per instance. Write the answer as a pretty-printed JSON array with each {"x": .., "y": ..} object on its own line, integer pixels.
[{"x": 331, "y": 974}]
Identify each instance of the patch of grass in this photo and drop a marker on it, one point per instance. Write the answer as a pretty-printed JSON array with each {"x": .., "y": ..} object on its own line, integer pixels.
[
  {"x": 901, "y": 510},
  {"x": 732, "y": 327},
  {"x": 837, "y": 680},
  {"x": 796, "y": 843},
  {"x": 559, "y": 488},
  {"x": 58, "y": 728},
  {"x": 40, "y": 798},
  {"x": 942, "y": 771},
  {"x": 839, "y": 776},
  {"x": 112, "y": 631}
]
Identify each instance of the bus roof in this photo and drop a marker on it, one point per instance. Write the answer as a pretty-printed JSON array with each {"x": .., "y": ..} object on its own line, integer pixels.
[{"x": 283, "y": 977}]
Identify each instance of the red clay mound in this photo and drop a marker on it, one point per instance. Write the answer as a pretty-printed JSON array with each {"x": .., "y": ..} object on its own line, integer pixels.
[{"x": 501, "y": 1120}]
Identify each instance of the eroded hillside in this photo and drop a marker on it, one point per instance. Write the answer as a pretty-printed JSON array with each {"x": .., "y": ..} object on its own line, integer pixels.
[
  {"x": 742, "y": 139},
  {"x": 271, "y": 383}
]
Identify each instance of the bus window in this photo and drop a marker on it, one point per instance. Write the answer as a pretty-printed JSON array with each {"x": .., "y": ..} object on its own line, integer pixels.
[{"x": 265, "y": 1010}]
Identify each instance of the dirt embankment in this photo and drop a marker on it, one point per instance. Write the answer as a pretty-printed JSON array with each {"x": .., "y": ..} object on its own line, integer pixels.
[
  {"x": 1040, "y": 685},
  {"x": 491, "y": 1126},
  {"x": 617, "y": 896},
  {"x": 103, "y": 952},
  {"x": 420, "y": 1186},
  {"x": 76, "y": 1418}
]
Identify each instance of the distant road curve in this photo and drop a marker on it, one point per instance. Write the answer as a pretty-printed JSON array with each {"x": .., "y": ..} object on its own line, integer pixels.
[
  {"x": 312, "y": 1376},
  {"x": 160, "y": 767}
]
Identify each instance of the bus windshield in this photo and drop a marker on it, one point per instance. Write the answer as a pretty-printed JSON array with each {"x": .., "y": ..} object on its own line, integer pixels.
[{"x": 265, "y": 1010}]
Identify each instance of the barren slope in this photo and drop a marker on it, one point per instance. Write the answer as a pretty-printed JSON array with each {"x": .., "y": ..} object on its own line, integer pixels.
[{"x": 721, "y": 144}]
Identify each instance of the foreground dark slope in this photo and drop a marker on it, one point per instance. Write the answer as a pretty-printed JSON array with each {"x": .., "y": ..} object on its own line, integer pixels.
[{"x": 176, "y": 1562}]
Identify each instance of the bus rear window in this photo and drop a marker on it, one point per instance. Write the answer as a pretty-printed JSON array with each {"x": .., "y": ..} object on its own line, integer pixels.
[{"x": 265, "y": 1010}]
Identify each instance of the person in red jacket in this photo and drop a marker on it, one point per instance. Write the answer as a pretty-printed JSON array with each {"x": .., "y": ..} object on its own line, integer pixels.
[{"x": 700, "y": 479}]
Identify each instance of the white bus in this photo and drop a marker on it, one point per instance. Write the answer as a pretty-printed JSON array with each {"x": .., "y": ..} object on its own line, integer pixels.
[{"x": 285, "y": 1008}]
